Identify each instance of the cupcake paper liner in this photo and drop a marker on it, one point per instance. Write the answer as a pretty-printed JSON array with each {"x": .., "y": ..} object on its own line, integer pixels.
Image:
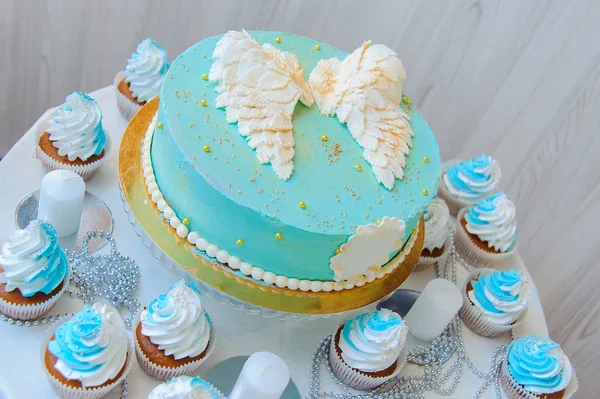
[
  {"x": 475, "y": 319},
  {"x": 127, "y": 107},
  {"x": 474, "y": 255},
  {"x": 30, "y": 312},
  {"x": 166, "y": 373},
  {"x": 455, "y": 204},
  {"x": 82, "y": 393},
  {"x": 50, "y": 164},
  {"x": 357, "y": 380},
  {"x": 426, "y": 261},
  {"x": 516, "y": 391}
]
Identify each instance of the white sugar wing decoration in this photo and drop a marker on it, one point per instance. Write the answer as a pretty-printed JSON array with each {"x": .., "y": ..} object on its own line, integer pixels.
[
  {"x": 259, "y": 87},
  {"x": 364, "y": 91},
  {"x": 368, "y": 250}
]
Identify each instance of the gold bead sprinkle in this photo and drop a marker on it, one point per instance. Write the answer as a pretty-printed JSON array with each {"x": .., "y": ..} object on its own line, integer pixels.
[
  {"x": 203, "y": 103},
  {"x": 239, "y": 241},
  {"x": 378, "y": 222},
  {"x": 277, "y": 40},
  {"x": 425, "y": 191},
  {"x": 185, "y": 221},
  {"x": 414, "y": 231},
  {"x": 318, "y": 47},
  {"x": 324, "y": 137},
  {"x": 426, "y": 159},
  {"x": 358, "y": 167},
  {"x": 338, "y": 251},
  {"x": 206, "y": 148},
  {"x": 278, "y": 236},
  {"x": 204, "y": 76},
  {"x": 159, "y": 126},
  {"x": 302, "y": 204}
]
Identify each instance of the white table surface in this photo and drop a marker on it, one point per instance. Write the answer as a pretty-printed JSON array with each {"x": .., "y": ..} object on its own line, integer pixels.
[{"x": 21, "y": 372}]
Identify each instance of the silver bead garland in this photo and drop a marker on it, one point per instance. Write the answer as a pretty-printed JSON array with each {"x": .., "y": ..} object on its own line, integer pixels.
[
  {"x": 434, "y": 378},
  {"x": 111, "y": 277}
]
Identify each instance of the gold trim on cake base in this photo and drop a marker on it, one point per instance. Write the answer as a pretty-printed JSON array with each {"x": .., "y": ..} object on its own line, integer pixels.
[{"x": 222, "y": 277}]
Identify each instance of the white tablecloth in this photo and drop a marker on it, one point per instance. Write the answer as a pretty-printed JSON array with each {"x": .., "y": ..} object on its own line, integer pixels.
[{"x": 21, "y": 373}]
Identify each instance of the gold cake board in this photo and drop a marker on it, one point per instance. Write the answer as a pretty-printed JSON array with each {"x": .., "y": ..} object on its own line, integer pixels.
[{"x": 220, "y": 276}]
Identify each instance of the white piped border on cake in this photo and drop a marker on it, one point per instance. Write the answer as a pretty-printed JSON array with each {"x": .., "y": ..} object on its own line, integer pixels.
[{"x": 246, "y": 268}]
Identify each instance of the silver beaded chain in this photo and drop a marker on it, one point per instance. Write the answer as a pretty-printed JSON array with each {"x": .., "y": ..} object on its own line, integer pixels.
[
  {"x": 434, "y": 378},
  {"x": 111, "y": 277}
]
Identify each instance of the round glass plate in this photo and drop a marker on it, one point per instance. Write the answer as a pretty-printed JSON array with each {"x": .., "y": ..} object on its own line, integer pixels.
[
  {"x": 224, "y": 375},
  {"x": 95, "y": 215}
]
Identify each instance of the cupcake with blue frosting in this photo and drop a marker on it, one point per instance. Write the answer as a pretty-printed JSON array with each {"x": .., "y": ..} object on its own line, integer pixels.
[
  {"x": 74, "y": 138},
  {"x": 494, "y": 301},
  {"x": 89, "y": 355},
  {"x": 33, "y": 272},
  {"x": 486, "y": 233},
  {"x": 141, "y": 80},
  {"x": 537, "y": 368},
  {"x": 186, "y": 387},
  {"x": 465, "y": 183},
  {"x": 369, "y": 350},
  {"x": 174, "y": 335},
  {"x": 435, "y": 248}
]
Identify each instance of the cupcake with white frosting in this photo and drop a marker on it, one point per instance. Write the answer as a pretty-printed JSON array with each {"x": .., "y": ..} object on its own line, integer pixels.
[
  {"x": 436, "y": 218},
  {"x": 369, "y": 350},
  {"x": 494, "y": 301},
  {"x": 465, "y": 183},
  {"x": 142, "y": 77},
  {"x": 174, "y": 335},
  {"x": 33, "y": 272},
  {"x": 537, "y": 368},
  {"x": 73, "y": 137},
  {"x": 88, "y": 355},
  {"x": 486, "y": 233},
  {"x": 186, "y": 387}
]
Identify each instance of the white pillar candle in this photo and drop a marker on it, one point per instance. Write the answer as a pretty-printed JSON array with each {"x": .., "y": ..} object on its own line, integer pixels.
[
  {"x": 264, "y": 376},
  {"x": 434, "y": 309},
  {"x": 61, "y": 201}
]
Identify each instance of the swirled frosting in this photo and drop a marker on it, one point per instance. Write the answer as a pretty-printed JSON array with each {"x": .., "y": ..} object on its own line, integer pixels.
[
  {"x": 92, "y": 346},
  {"x": 473, "y": 179},
  {"x": 436, "y": 224},
  {"x": 146, "y": 69},
  {"x": 185, "y": 387},
  {"x": 372, "y": 342},
  {"x": 539, "y": 364},
  {"x": 501, "y": 296},
  {"x": 176, "y": 322},
  {"x": 32, "y": 261},
  {"x": 76, "y": 128},
  {"x": 494, "y": 221}
]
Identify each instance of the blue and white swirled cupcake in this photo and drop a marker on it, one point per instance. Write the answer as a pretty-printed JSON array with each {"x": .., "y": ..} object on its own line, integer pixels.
[
  {"x": 174, "y": 335},
  {"x": 486, "y": 233},
  {"x": 88, "y": 355},
  {"x": 494, "y": 301},
  {"x": 73, "y": 137},
  {"x": 537, "y": 368},
  {"x": 186, "y": 387},
  {"x": 465, "y": 183},
  {"x": 369, "y": 350},
  {"x": 142, "y": 78},
  {"x": 33, "y": 272},
  {"x": 435, "y": 247}
]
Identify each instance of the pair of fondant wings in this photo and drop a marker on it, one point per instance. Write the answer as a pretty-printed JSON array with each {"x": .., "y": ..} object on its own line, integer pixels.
[{"x": 259, "y": 87}]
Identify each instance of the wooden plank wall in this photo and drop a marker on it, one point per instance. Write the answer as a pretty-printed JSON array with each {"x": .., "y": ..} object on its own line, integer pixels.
[{"x": 519, "y": 80}]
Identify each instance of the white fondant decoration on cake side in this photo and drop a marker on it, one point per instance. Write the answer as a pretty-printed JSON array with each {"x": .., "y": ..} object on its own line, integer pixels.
[
  {"x": 259, "y": 87},
  {"x": 364, "y": 91},
  {"x": 369, "y": 249}
]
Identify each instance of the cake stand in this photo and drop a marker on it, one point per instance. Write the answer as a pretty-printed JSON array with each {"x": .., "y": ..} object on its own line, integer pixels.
[{"x": 221, "y": 282}]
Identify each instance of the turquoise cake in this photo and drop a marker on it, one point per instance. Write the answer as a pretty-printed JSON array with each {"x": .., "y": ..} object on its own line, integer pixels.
[{"x": 327, "y": 224}]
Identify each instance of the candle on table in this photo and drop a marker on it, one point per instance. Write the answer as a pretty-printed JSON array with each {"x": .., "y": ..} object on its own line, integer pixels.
[
  {"x": 434, "y": 309},
  {"x": 61, "y": 201},
  {"x": 264, "y": 376}
]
